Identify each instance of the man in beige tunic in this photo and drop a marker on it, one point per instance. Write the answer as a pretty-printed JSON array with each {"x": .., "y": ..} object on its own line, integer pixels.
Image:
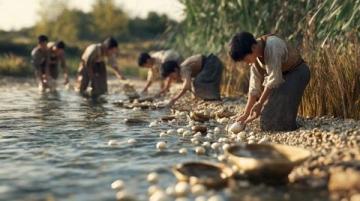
[
  {"x": 278, "y": 78},
  {"x": 92, "y": 68},
  {"x": 153, "y": 61},
  {"x": 200, "y": 72},
  {"x": 57, "y": 56},
  {"x": 40, "y": 61}
]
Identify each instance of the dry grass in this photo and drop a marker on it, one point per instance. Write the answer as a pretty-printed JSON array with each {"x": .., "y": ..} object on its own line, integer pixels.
[{"x": 14, "y": 65}]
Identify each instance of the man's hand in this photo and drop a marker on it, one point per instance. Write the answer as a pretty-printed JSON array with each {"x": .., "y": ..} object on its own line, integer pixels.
[
  {"x": 241, "y": 118},
  {"x": 255, "y": 112}
]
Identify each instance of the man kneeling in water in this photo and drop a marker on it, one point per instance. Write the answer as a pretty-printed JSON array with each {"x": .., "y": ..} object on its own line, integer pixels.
[
  {"x": 92, "y": 68},
  {"x": 204, "y": 72},
  {"x": 57, "y": 55}
]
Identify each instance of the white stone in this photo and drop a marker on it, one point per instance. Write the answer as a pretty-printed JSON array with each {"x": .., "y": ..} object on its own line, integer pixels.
[
  {"x": 197, "y": 135},
  {"x": 198, "y": 189},
  {"x": 186, "y": 133},
  {"x": 182, "y": 188},
  {"x": 215, "y": 145},
  {"x": 206, "y": 144},
  {"x": 236, "y": 127},
  {"x": 118, "y": 185},
  {"x": 216, "y": 198},
  {"x": 200, "y": 150},
  {"x": 153, "y": 124},
  {"x": 112, "y": 143},
  {"x": 153, "y": 178},
  {"x": 195, "y": 141},
  {"x": 217, "y": 130},
  {"x": 132, "y": 141},
  {"x": 160, "y": 196},
  {"x": 124, "y": 196},
  {"x": 183, "y": 151},
  {"x": 171, "y": 132},
  {"x": 180, "y": 131},
  {"x": 161, "y": 145}
]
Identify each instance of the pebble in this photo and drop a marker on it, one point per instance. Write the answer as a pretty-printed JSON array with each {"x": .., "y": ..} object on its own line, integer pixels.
[
  {"x": 118, "y": 184},
  {"x": 153, "y": 178},
  {"x": 198, "y": 189},
  {"x": 131, "y": 141},
  {"x": 112, "y": 143},
  {"x": 180, "y": 131},
  {"x": 216, "y": 198},
  {"x": 124, "y": 196},
  {"x": 171, "y": 132},
  {"x": 215, "y": 145},
  {"x": 206, "y": 144},
  {"x": 217, "y": 130},
  {"x": 153, "y": 124},
  {"x": 186, "y": 133},
  {"x": 161, "y": 145},
  {"x": 163, "y": 134},
  {"x": 197, "y": 135},
  {"x": 183, "y": 151},
  {"x": 195, "y": 141},
  {"x": 200, "y": 150},
  {"x": 160, "y": 196},
  {"x": 182, "y": 188},
  {"x": 237, "y": 127}
]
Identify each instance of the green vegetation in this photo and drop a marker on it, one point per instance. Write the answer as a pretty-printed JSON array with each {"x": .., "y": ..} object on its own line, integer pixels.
[{"x": 327, "y": 31}]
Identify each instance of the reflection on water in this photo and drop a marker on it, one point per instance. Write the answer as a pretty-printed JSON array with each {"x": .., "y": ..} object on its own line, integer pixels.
[{"x": 55, "y": 146}]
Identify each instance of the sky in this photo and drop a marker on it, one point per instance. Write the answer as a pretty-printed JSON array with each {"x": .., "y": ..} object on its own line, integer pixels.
[{"x": 17, "y": 14}]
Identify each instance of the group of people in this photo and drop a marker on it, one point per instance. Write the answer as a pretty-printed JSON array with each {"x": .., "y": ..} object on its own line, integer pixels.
[{"x": 278, "y": 74}]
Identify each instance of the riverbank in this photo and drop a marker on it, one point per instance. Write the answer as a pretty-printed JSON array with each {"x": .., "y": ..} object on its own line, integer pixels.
[{"x": 331, "y": 173}]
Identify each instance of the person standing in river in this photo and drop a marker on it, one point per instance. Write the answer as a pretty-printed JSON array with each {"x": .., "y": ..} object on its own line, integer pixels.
[
  {"x": 278, "y": 78},
  {"x": 203, "y": 72},
  {"x": 153, "y": 61},
  {"x": 57, "y": 55},
  {"x": 92, "y": 68},
  {"x": 40, "y": 61}
]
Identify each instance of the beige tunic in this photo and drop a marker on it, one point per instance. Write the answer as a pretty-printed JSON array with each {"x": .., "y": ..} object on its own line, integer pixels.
[
  {"x": 94, "y": 54},
  {"x": 39, "y": 57},
  {"x": 278, "y": 57},
  {"x": 190, "y": 68},
  {"x": 160, "y": 58}
]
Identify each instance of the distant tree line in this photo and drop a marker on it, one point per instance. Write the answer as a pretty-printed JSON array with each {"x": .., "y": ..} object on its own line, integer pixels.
[{"x": 59, "y": 21}]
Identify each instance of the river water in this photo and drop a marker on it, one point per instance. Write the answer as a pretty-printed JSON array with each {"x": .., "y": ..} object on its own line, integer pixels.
[{"x": 55, "y": 146}]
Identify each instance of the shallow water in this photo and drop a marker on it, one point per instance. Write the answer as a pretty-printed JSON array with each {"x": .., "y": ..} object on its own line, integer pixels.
[{"x": 54, "y": 146}]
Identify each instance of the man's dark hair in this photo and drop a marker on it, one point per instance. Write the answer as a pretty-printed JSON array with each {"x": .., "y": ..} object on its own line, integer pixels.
[
  {"x": 168, "y": 67},
  {"x": 240, "y": 45},
  {"x": 43, "y": 39},
  {"x": 110, "y": 43},
  {"x": 143, "y": 58},
  {"x": 60, "y": 45}
]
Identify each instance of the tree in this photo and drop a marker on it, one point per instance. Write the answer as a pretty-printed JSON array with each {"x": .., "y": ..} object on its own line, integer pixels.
[{"x": 108, "y": 19}]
